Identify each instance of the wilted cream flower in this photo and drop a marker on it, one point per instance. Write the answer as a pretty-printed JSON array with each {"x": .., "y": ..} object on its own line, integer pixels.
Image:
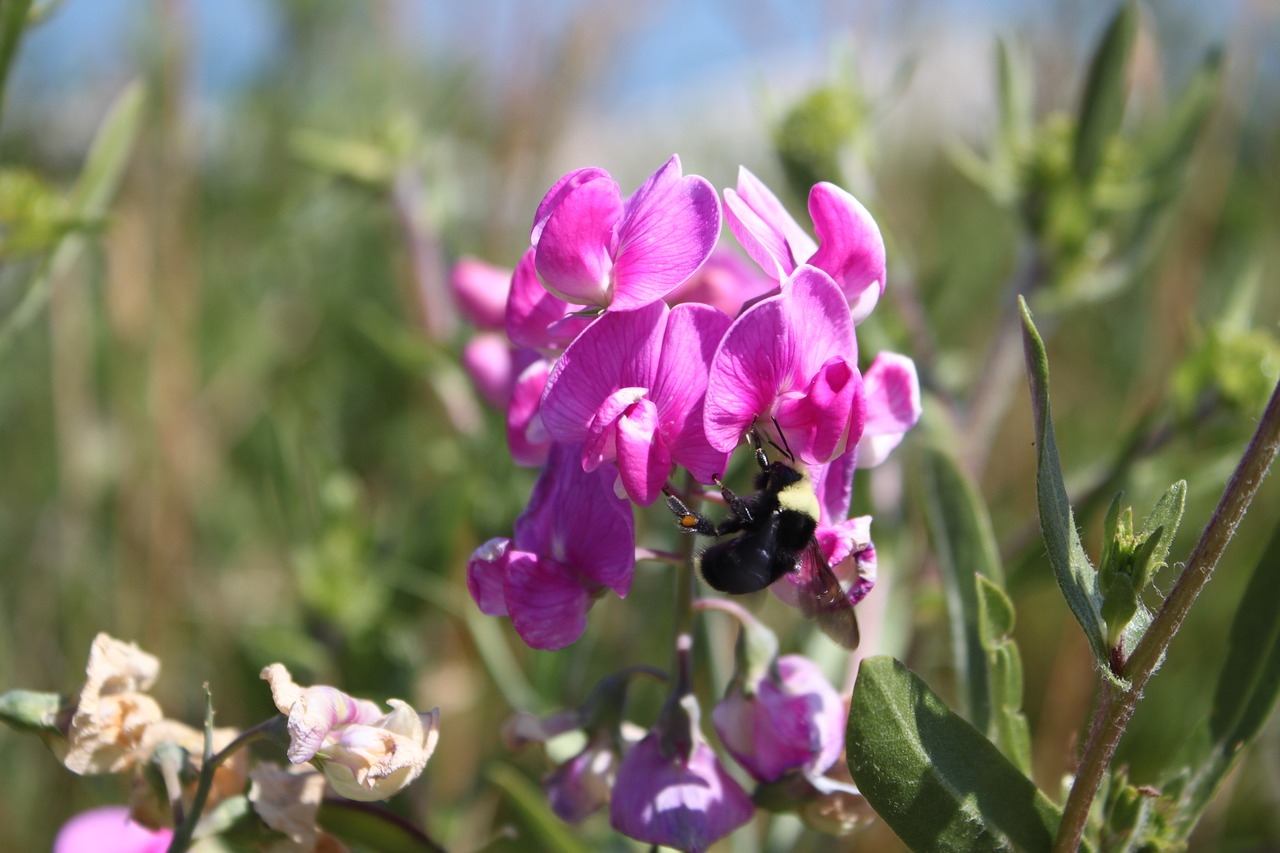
[
  {"x": 288, "y": 801},
  {"x": 365, "y": 754},
  {"x": 229, "y": 778},
  {"x": 114, "y": 711}
]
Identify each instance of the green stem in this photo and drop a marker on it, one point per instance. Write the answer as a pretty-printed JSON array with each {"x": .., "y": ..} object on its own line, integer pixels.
[
  {"x": 185, "y": 831},
  {"x": 1113, "y": 716}
]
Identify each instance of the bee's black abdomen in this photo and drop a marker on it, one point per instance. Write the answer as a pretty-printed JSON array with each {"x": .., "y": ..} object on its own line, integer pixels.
[{"x": 746, "y": 564}]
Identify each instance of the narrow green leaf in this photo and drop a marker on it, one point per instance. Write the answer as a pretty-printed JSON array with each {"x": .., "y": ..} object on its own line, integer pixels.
[
  {"x": 965, "y": 547},
  {"x": 938, "y": 783},
  {"x": 1013, "y": 76},
  {"x": 1168, "y": 515},
  {"x": 1076, "y": 577},
  {"x": 1248, "y": 686},
  {"x": 13, "y": 21},
  {"x": 1102, "y": 103},
  {"x": 550, "y": 832},
  {"x": 99, "y": 179}
]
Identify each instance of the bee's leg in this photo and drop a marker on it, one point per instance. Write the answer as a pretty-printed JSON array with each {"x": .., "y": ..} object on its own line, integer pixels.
[
  {"x": 757, "y": 447},
  {"x": 688, "y": 520},
  {"x": 741, "y": 512}
]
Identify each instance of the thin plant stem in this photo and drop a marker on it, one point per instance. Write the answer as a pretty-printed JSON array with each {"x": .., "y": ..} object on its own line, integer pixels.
[
  {"x": 1113, "y": 716},
  {"x": 685, "y": 587},
  {"x": 183, "y": 834}
]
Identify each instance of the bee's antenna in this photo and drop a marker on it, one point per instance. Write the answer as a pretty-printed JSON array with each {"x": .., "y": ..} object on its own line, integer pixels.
[{"x": 785, "y": 448}]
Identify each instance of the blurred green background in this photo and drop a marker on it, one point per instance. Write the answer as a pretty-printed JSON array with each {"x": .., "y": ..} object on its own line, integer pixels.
[{"x": 233, "y": 427}]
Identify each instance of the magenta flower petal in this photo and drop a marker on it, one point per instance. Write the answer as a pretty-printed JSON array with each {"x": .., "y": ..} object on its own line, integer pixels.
[
  {"x": 850, "y": 249},
  {"x": 688, "y": 805},
  {"x": 109, "y": 829},
  {"x": 670, "y": 226},
  {"x": 580, "y": 787},
  {"x": 600, "y": 442},
  {"x": 556, "y": 194},
  {"x": 752, "y": 363},
  {"x": 643, "y": 459},
  {"x": 573, "y": 253},
  {"x": 893, "y": 406},
  {"x": 818, "y": 309},
  {"x": 771, "y": 237},
  {"x": 547, "y": 601}
]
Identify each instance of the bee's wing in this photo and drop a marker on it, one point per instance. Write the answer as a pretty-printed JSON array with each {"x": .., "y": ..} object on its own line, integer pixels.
[{"x": 823, "y": 599}]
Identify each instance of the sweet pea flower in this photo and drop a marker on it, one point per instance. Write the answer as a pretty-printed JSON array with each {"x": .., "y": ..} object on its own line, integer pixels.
[
  {"x": 893, "y": 406},
  {"x": 792, "y": 719},
  {"x": 365, "y": 753},
  {"x": 630, "y": 390},
  {"x": 114, "y": 711},
  {"x": 109, "y": 830},
  {"x": 671, "y": 789},
  {"x": 592, "y": 247},
  {"x": 849, "y": 247},
  {"x": 575, "y": 539},
  {"x": 788, "y": 366},
  {"x": 480, "y": 290}
]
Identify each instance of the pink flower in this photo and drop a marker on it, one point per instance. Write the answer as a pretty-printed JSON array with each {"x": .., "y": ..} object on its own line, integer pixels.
[
  {"x": 493, "y": 364},
  {"x": 677, "y": 797},
  {"x": 109, "y": 830},
  {"x": 575, "y": 539},
  {"x": 630, "y": 389},
  {"x": 849, "y": 247},
  {"x": 366, "y": 753},
  {"x": 788, "y": 365},
  {"x": 792, "y": 719},
  {"x": 480, "y": 289},
  {"x": 893, "y": 406},
  {"x": 592, "y": 247}
]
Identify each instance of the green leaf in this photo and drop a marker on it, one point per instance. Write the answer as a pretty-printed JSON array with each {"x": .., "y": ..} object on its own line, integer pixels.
[
  {"x": 965, "y": 547},
  {"x": 13, "y": 20},
  {"x": 1166, "y": 514},
  {"x": 1076, "y": 577},
  {"x": 372, "y": 827},
  {"x": 938, "y": 783},
  {"x": 27, "y": 710},
  {"x": 1102, "y": 105},
  {"x": 1248, "y": 685},
  {"x": 99, "y": 179},
  {"x": 550, "y": 833}
]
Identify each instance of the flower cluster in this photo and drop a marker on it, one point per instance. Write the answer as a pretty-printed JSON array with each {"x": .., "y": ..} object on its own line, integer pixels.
[
  {"x": 635, "y": 347},
  {"x": 353, "y": 747}
]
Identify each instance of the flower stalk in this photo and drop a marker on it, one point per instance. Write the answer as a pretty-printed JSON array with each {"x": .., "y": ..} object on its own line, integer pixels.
[{"x": 1116, "y": 707}]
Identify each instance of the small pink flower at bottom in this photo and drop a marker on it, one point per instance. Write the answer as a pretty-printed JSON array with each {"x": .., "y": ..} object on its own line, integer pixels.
[
  {"x": 109, "y": 830},
  {"x": 688, "y": 804},
  {"x": 792, "y": 719},
  {"x": 365, "y": 754}
]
